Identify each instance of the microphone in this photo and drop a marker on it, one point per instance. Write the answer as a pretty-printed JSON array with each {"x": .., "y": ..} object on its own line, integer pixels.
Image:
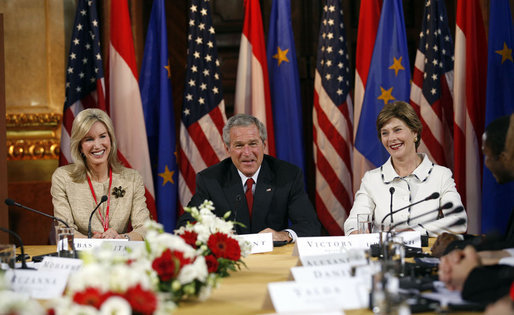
[
  {"x": 391, "y": 191},
  {"x": 89, "y": 232},
  {"x": 11, "y": 203},
  {"x": 447, "y": 205},
  {"x": 18, "y": 238},
  {"x": 434, "y": 195}
]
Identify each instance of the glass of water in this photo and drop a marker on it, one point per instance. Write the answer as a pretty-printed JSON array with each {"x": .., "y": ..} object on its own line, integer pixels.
[
  {"x": 7, "y": 256},
  {"x": 64, "y": 240}
]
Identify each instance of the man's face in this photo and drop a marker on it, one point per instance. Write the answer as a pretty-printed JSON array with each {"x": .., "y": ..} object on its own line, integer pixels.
[
  {"x": 497, "y": 165},
  {"x": 246, "y": 149}
]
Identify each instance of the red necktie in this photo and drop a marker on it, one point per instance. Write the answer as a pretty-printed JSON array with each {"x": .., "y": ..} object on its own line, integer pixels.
[{"x": 249, "y": 195}]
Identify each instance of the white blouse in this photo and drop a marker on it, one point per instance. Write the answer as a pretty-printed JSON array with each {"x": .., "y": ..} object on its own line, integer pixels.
[{"x": 374, "y": 198}]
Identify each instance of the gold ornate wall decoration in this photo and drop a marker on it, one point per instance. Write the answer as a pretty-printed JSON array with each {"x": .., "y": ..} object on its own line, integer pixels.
[{"x": 33, "y": 136}]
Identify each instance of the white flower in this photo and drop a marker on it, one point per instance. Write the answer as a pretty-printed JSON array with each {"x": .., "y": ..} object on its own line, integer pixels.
[
  {"x": 165, "y": 308},
  {"x": 18, "y": 303},
  {"x": 115, "y": 305},
  {"x": 196, "y": 270},
  {"x": 91, "y": 275},
  {"x": 205, "y": 292}
]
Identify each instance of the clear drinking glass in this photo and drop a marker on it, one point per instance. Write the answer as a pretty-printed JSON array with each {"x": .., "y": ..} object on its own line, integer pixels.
[
  {"x": 364, "y": 223},
  {"x": 65, "y": 242},
  {"x": 7, "y": 256}
]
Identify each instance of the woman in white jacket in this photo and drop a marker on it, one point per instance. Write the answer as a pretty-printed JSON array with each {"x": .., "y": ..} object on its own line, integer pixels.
[{"x": 412, "y": 176}]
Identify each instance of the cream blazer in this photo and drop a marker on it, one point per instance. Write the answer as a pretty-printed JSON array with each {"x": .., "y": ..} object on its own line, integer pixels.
[
  {"x": 374, "y": 198},
  {"x": 74, "y": 202}
]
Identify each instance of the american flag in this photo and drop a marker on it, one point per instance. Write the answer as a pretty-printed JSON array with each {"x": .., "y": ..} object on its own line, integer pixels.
[
  {"x": 432, "y": 84},
  {"x": 203, "y": 111},
  {"x": 469, "y": 99},
  {"x": 84, "y": 74},
  {"x": 332, "y": 120}
]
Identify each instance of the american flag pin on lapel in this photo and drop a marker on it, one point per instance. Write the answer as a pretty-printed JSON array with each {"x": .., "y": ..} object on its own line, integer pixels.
[{"x": 268, "y": 189}]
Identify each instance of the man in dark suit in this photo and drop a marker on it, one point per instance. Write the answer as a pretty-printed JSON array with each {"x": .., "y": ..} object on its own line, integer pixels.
[{"x": 262, "y": 192}]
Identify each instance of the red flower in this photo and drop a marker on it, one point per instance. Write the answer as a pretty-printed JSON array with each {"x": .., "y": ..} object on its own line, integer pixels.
[
  {"x": 90, "y": 296},
  {"x": 142, "y": 301},
  {"x": 223, "y": 246},
  {"x": 168, "y": 265},
  {"x": 212, "y": 263},
  {"x": 190, "y": 238}
]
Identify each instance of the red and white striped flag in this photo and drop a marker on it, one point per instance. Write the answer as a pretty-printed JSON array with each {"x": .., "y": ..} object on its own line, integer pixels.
[
  {"x": 469, "y": 106},
  {"x": 252, "y": 86},
  {"x": 84, "y": 74},
  {"x": 432, "y": 84},
  {"x": 125, "y": 106},
  {"x": 332, "y": 120},
  {"x": 369, "y": 17},
  {"x": 203, "y": 110}
]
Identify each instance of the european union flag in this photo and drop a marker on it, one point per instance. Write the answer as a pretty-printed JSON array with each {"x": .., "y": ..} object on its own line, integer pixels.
[
  {"x": 285, "y": 86},
  {"x": 157, "y": 101},
  {"x": 496, "y": 206},
  {"x": 388, "y": 79}
]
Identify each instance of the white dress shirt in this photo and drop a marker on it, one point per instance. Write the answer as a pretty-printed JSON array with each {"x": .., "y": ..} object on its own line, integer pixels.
[{"x": 374, "y": 197}]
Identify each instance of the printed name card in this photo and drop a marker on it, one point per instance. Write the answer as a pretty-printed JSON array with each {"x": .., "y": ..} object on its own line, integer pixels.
[
  {"x": 348, "y": 293},
  {"x": 341, "y": 272},
  {"x": 411, "y": 238},
  {"x": 87, "y": 243},
  {"x": 320, "y": 245},
  {"x": 67, "y": 265},
  {"x": 355, "y": 257},
  {"x": 37, "y": 284},
  {"x": 260, "y": 242},
  {"x": 123, "y": 247}
]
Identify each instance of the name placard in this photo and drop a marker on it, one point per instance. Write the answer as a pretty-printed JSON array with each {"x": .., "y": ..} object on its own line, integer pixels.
[
  {"x": 51, "y": 263},
  {"x": 355, "y": 257},
  {"x": 119, "y": 246},
  {"x": 411, "y": 238},
  {"x": 361, "y": 273},
  {"x": 261, "y": 242},
  {"x": 87, "y": 243},
  {"x": 321, "y": 245},
  {"x": 123, "y": 247},
  {"x": 37, "y": 284},
  {"x": 310, "y": 296}
]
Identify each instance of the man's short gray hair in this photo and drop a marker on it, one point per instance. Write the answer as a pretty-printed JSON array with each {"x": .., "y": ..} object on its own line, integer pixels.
[{"x": 243, "y": 120}]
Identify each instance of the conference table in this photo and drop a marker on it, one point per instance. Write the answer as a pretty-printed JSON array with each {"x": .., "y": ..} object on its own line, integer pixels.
[{"x": 244, "y": 292}]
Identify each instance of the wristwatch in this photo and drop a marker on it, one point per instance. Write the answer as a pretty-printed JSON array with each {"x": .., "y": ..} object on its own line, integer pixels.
[{"x": 126, "y": 236}]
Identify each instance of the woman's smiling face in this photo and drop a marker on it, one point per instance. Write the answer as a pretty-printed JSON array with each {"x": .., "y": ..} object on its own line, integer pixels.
[
  {"x": 398, "y": 139},
  {"x": 96, "y": 145}
]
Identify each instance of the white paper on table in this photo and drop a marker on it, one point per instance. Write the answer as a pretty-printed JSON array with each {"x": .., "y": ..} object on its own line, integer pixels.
[
  {"x": 260, "y": 242},
  {"x": 319, "y": 295},
  {"x": 308, "y": 246},
  {"x": 37, "y": 284}
]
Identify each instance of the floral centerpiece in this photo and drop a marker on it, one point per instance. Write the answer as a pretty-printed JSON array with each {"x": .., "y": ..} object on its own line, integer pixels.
[
  {"x": 110, "y": 284},
  {"x": 213, "y": 237},
  {"x": 180, "y": 271}
]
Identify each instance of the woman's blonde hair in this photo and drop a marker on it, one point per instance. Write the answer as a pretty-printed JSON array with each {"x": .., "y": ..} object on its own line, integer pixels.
[
  {"x": 81, "y": 126},
  {"x": 405, "y": 113}
]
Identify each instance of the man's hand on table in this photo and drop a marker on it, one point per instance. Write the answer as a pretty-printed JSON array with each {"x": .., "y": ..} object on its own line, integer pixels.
[
  {"x": 278, "y": 235},
  {"x": 455, "y": 267}
]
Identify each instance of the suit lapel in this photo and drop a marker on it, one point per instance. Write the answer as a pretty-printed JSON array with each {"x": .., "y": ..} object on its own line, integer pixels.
[
  {"x": 262, "y": 197},
  {"x": 236, "y": 200}
]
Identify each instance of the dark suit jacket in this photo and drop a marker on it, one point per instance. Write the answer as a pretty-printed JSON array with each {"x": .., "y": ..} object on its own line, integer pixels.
[{"x": 279, "y": 196}]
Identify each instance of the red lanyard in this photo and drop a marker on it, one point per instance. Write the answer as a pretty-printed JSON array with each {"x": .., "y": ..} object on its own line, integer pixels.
[{"x": 105, "y": 222}]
